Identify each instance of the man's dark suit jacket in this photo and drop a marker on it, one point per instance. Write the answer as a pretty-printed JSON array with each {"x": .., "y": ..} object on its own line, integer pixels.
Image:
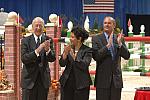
[
  {"x": 108, "y": 70},
  {"x": 33, "y": 65},
  {"x": 80, "y": 67}
]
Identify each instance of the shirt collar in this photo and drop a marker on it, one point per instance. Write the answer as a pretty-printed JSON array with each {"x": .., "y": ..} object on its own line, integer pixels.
[
  {"x": 36, "y": 37},
  {"x": 106, "y": 35}
]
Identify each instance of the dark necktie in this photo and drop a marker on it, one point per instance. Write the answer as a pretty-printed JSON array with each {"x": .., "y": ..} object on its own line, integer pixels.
[{"x": 38, "y": 42}]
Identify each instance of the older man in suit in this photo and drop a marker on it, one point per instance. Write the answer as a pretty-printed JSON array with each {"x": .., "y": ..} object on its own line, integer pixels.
[
  {"x": 36, "y": 52},
  {"x": 108, "y": 50}
]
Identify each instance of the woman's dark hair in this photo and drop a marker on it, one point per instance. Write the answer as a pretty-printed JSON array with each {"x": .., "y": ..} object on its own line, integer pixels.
[{"x": 79, "y": 32}]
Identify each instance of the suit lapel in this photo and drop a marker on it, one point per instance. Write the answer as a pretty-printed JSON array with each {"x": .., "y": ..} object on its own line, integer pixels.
[
  {"x": 43, "y": 52},
  {"x": 102, "y": 39},
  {"x": 115, "y": 43},
  {"x": 32, "y": 42},
  {"x": 43, "y": 38},
  {"x": 79, "y": 53}
]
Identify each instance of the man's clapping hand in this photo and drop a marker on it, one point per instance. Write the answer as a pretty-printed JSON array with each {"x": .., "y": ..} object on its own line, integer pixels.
[
  {"x": 119, "y": 38},
  {"x": 110, "y": 41},
  {"x": 45, "y": 45}
]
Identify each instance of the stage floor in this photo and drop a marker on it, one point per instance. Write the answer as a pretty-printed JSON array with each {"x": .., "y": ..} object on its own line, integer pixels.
[{"x": 131, "y": 80}]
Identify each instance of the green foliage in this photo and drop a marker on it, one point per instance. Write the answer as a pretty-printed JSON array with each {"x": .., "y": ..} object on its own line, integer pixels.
[
  {"x": 92, "y": 78},
  {"x": 64, "y": 32},
  {"x": 26, "y": 24},
  {"x": 140, "y": 69},
  {"x": 118, "y": 28},
  {"x": 126, "y": 67},
  {"x": 95, "y": 25},
  {"x": 95, "y": 29}
]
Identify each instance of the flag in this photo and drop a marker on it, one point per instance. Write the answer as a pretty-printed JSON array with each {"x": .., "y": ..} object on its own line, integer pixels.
[
  {"x": 19, "y": 19},
  {"x": 98, "y": 6},
  {"x": 59, "y": 21},
  {"x": 129, "y": 22}
]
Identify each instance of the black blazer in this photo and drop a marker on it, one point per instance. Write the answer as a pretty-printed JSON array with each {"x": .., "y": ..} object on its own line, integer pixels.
[
  {"x": 33, "y": 65},
  {"x": 106, "y": 68},
  {"x": 80, "y": 67}
]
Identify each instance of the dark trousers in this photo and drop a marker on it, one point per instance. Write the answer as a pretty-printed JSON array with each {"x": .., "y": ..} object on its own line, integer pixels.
[
  {"x": 69, "y": 92},
  {"x": 74, "y": 94},
  {"x": 38, "y": 92},
  {"x": 111, "y": 93}
]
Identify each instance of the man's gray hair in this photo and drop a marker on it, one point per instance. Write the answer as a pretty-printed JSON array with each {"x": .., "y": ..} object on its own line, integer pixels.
[
  {"x": 111, "y": 18},
  {"x": 38, "y": 18}
]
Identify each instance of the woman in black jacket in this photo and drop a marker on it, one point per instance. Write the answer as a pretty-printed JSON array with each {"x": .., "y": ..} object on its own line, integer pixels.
[{"x": 75, "y": 80}]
